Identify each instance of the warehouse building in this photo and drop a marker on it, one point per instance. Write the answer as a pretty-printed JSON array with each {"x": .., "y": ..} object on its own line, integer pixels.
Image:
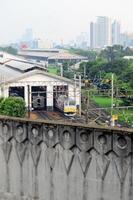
[
  {"x": 35, "y": 85},
  {"x": 50, "y": 56}
]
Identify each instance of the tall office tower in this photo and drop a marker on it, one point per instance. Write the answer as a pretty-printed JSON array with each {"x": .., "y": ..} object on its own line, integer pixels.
[
  {"x": 103, "y": 31},
  {"x": 92, "y": 35},
  {"x": 100, "y": 32},
  {"x": 116, "y": 33}
]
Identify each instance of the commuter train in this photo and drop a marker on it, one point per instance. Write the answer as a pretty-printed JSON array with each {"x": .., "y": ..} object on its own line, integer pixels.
[{"x": 66, "y": 105}]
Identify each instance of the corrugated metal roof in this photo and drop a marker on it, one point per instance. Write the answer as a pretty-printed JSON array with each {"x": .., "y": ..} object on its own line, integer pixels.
[
  {"x": 52, "y": 55},
  {"x": 37, "y": 71},
  {"x": 67, "y": 56},
  {"x": 37, "y": 54},
  {"x": 7, "y": 73},
  {"x": 19, "y": 65},
  {"x": 23, "y": 66},
  {"x": 4, "y": 56}
]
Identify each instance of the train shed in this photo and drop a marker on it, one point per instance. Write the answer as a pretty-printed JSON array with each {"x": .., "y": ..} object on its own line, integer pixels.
[{"x": 37, "y": 87}]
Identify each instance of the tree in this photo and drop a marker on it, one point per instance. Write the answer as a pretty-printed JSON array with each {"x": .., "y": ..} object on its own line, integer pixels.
[
  {"x": 128, "y": 51},
  {"x": 13, "y": 106},
  {"x": 108, "y": 53},
  {"x": 92, "y": 67},
  {"x": 111, "y": 53},
  {"x": 9, "y": 49},
  {"x": 127, "y": 75},
  {"x": 90, "y": 54}
]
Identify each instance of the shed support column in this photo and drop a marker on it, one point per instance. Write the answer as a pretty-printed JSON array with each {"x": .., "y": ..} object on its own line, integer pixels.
[
  {"x": 27, "y": 96},
  {"x": 50, "y": 97},
  {"x": 6, "y": 92},
  {"x": 1, "y": 92}
]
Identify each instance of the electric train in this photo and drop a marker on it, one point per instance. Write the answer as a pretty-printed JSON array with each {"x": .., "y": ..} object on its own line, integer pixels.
[{"x": 66, "y": 105}]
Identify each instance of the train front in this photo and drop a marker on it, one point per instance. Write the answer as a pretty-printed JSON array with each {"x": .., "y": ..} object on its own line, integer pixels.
[{"x": 70, "y": 107}]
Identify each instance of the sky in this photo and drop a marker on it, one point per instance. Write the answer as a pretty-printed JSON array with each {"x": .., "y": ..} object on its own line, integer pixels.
[{"x": 59, "y": 19}]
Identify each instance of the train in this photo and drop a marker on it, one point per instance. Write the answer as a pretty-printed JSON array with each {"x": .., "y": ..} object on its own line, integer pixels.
[{"x": 66, "y": 105}]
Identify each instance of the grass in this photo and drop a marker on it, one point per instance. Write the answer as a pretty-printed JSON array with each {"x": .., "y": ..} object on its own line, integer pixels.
[
  {"x": 124, "y": 115},
  {"x": 104, "y": 101},
  {"x": 53, "y": 69}
]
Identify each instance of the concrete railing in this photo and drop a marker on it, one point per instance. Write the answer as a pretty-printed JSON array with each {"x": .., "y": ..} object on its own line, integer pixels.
[{"x": 49, "y": 161}]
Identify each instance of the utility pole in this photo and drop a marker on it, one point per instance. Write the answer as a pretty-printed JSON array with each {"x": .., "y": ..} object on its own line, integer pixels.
[
  {"x": 75, "y": 86},
  {"x": 100, "y": 76},
  {"x": 84, "y": 70},
  {"x": 80, "y": 95},
  {"x": 112, "y": 98},
  {"x": 61, "y": 70},
  {"x": 87, "y": 106}
]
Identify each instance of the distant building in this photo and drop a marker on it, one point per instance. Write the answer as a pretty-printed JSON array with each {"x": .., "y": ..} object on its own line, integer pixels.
[
  {"x": 116, "y": 32},
  {"x": 50, "y": 55},
  {"x": 92, "y": 35},
  {"x": 128, "y": 57},
  {"x": 124, "y": 39},
  {"x": 28, "y": 35},
  {"x": 103, "y": 33},
  {"x": 100, "y": 32},
  {"x": 130, "y": 39},
  {"x": 81, "y": 41}
]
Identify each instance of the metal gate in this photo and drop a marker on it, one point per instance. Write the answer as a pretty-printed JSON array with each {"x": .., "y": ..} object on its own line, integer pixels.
[
  {"x": 38, "y": 102},
  {"x": 39, "y": 99}
]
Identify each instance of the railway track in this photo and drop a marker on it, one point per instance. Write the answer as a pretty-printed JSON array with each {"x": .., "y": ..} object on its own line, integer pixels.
[
  {"x": 43, "y": 115},
  {"x": 58, "y": 116},
  {"x": 95, "y": 115}
]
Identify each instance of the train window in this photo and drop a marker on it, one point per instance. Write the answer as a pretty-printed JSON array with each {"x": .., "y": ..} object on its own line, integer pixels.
[
  {"x": 66, "y": 103},
  {"x": 72, "y": 102}
]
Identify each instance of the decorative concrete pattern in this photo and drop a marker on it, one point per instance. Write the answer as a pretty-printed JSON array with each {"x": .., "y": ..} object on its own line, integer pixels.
[{"x": 62, "y": 162}]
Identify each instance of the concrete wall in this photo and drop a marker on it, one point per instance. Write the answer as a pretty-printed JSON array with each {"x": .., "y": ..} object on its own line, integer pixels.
[{"x": 49, "y": 161}]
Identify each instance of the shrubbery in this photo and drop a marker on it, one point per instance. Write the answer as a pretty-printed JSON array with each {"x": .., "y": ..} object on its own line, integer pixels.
[{"x": 12, "y": 106}]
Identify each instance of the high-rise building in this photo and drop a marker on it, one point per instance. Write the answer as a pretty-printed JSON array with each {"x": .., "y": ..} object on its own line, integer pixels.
[
  {"x": 116, "y": 33},
  {"x": 92, "y": 35},
  {"x": 103, "y": 31},
  {"x": 100, "y": 32}
]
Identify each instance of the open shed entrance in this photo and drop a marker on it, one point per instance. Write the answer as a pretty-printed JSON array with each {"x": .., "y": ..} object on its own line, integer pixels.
[
  {"x": 57, "y": 91},
  {"x": 16, "y": 92},
  {"x": 39, "y": 97}
]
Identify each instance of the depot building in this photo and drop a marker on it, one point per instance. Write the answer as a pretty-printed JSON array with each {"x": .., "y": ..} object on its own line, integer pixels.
[{"x": 35, "y": 85}]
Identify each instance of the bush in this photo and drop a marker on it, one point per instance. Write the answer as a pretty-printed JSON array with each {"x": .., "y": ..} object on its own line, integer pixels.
[
  {"x": 13, "y": 106},
  {"x": 1, "y": 99}
]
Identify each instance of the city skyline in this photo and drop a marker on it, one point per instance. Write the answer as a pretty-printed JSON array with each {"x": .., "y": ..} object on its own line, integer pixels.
[
  {"x": 58, "y": 20},
  {"x": 105, "y": 32}
]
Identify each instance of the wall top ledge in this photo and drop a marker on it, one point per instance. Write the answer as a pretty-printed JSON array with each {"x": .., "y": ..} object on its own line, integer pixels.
[{"x": 76, "y": 125}]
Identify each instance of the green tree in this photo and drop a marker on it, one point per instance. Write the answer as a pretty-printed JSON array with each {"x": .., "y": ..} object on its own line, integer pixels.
[
  {"x": 9, "y": 49},
  {"x": 90, "y": 54},
  {"x": 127, "y": 75},
  {"x": 111, "y": 53},
  {"x": 128, "y": 51}
]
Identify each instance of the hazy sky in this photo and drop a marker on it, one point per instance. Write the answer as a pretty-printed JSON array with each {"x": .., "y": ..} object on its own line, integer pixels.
[{"x": 59, "y": 19}]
